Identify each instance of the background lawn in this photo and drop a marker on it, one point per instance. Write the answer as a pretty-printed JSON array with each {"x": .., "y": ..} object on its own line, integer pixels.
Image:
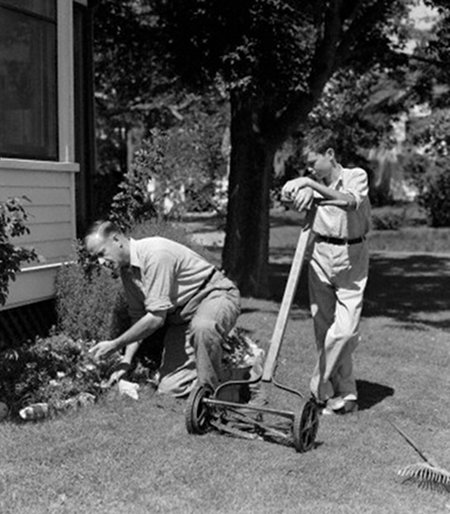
[{"x": 122, "y": 456}]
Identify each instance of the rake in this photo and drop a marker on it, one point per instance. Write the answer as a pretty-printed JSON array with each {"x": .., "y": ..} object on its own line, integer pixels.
[{"x": 427, "y": 474}]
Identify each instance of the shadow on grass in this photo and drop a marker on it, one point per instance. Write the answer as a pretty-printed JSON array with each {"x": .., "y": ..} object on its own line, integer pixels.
[
  {"x": 407, "y": 288},
  {"x": 402, "y": 286},
  {"x": 371, "y": 393}
]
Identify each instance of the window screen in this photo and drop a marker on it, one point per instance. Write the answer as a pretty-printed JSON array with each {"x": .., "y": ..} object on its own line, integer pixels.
[{"x": 28, "y": 80}]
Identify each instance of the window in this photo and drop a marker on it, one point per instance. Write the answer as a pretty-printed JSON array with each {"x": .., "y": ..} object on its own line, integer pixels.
[{"x": 28, "y": 79}]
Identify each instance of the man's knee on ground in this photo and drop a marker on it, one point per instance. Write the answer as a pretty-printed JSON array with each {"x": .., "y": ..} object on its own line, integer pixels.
[{"x": 204, "y": 331}]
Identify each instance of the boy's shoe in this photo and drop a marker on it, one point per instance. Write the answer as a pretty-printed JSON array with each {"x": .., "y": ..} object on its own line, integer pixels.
[{"x": 339, "y": 405}]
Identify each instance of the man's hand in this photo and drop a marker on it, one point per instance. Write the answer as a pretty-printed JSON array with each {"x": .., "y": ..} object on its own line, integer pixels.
[
  {"x": 103, "y": 349},
  {"x": 119, "y": 371}
]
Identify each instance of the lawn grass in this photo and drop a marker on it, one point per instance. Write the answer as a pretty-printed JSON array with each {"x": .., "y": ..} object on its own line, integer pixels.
[
  {"x": 285, "y": 226},
  {"x": 122, "y": 456}
]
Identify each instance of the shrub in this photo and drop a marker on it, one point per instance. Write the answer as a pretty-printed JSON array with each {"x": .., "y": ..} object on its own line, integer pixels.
[
  {"x": 87, "y": 304},
  {"x": 12, "y": 224},
  {"x": 133, "y": 203},
  {"x": 174, "y": 171},
  {"x": 50, "y": 370},
  {"x": 435, "y": 193},
  {"x": 388, "y": 219}
]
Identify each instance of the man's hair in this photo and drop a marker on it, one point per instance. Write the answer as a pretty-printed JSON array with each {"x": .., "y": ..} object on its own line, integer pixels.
[
  {"x": 103, "y": 228},
  {"x": 319, "y": 140}
]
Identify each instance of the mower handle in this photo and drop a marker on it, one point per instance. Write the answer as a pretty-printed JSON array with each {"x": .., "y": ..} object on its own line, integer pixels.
[
  {"x": 291, "y": 287},
  {"x": 336, "y": 203}
]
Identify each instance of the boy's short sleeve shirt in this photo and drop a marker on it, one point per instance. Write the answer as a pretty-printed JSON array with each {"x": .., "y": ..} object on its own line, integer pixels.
[
  {"x": 336, "y": 222},
  {"x": 162, "y": 275}
]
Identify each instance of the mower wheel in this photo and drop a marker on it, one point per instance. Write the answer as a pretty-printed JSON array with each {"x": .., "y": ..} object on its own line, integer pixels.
[
  {"x": 306, "y": 424},
  {"x": 197, "y": 414}
]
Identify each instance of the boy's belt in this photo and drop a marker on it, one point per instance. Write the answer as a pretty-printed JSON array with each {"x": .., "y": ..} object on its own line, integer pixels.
[{"x": 339, "y": 241}]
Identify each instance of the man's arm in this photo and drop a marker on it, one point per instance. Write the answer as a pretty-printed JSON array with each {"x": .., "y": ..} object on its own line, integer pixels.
[
  {"x": 143, "y": 328},
  {"x": 130, "y": 352},
  {"x": 122, "y": 368}
]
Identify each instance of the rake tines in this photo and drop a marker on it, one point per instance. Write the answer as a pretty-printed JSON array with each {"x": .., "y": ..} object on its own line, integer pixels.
[{"x": 427, "y": 474}]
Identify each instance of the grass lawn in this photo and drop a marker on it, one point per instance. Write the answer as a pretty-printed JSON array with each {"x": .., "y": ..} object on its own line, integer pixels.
[{"x": 125, "y": 456}]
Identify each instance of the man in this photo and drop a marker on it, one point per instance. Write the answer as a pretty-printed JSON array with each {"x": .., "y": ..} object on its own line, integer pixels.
[
  {"x": 168, "y": 285},
  {"x": 338, "y": 268}
]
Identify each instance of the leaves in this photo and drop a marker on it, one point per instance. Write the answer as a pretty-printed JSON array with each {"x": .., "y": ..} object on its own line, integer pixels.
[{"x": 13, "y": 219}]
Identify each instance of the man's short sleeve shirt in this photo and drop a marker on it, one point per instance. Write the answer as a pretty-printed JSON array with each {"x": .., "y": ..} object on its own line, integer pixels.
[{"x": 162, "y": 275}]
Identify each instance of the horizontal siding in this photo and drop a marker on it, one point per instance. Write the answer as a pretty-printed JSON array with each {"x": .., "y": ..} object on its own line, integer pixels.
[
  {"x": 31, "y": 286},
  {"x": 33, "y": 178},
  {"x": 42, "y": 196},
  {"x": 53, "y": 251},
  {"x": 52, "y": 227},
  {"x": 40, "y": 232},
  {"x": 45, "y": 214}
]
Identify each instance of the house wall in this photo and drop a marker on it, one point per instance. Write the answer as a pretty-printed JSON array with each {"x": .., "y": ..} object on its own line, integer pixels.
[{"x": 49, "y": 185}]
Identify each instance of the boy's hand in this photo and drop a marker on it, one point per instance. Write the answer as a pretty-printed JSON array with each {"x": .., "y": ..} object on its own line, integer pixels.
[
  {"x": 298, "y": 192},
  {"x": 304, "y": 199}
]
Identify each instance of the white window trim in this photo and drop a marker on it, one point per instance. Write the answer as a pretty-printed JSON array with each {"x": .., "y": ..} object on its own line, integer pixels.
[
  {"x": 66, "y": 101},
  {"x": 28, "y": 165},
  {"x": 65, "y": 81}
]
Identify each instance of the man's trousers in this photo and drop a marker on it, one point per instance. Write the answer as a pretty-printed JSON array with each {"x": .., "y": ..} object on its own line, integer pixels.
[{"x": 194, "y": 337}]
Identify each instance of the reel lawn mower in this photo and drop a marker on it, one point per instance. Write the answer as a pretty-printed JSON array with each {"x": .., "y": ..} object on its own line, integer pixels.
[{"x": 206, "y": 408}]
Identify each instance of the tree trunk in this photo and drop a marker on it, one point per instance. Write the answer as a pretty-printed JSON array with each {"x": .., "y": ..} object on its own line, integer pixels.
[{"x": 246, "y": 250}]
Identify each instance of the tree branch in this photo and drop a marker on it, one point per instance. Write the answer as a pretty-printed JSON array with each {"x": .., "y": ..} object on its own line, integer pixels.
[
  {"x": 321, "y": 69},
  {"x": 356, "y": 29},
  {"x": 429, "y": 60}
]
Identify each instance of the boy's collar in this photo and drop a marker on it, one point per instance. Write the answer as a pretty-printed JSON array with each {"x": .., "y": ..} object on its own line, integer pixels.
[{"x": 338, "y": 176}]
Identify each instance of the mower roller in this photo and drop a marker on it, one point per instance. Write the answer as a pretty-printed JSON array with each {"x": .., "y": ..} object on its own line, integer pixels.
[{"x": 206, "y": 408}]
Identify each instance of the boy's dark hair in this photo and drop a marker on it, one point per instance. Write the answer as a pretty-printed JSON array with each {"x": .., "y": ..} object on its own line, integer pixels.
[{"x": 320, "y": 140}]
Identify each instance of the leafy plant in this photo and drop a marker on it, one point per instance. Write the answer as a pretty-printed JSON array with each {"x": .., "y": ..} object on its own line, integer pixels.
[
  {"x": 12, "y": 224},
  {"x": 174, "y": 171},
  {"x": 388, "y": 219},
  {"x": 49, "y": 370},
  {"x": 86, "y": 304},
  {"x": 435, "y": 194},
  {"x": 133, "y": 203}
]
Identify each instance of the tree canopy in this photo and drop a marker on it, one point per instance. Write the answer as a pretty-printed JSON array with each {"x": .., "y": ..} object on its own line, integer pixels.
[
  {"x": 274, "y": 59},
  {"x": 278, "y": 53}
]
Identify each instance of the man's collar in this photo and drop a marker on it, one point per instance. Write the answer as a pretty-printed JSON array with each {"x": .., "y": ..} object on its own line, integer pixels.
[{"x": 134, "y": 261}]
